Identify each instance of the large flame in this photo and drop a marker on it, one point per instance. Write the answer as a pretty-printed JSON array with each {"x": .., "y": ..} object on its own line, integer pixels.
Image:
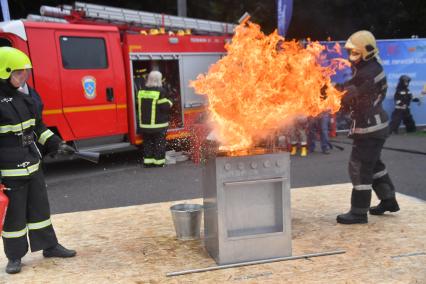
[{"x": 257, "y": 88}]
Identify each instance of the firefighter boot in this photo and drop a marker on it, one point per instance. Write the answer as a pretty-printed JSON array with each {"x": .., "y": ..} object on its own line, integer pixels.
[
  {"x": 352, "y": 218},
  {"x": 360, "y": 203},
  {"x": 390, "y": 205},
  {"x": 303, "y": 151},
  {"x": 293, "y": 150},
  {"x": 58, "y": 251},
  {"x": 13, "y": 266}
]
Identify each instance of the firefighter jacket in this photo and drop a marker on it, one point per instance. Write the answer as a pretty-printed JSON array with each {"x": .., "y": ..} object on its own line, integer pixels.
[
  {"x": 365, "y": 93},
  {"x": 21, "y": 127},
  {"x": 402, "y": 98},
  {"x": 153, "y": 109}
]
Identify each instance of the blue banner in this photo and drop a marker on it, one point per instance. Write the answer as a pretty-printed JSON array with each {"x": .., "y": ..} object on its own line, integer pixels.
[
  {"x": 399, "y": 57},
  {"x": 284, "y": 12},
  {"x": 5, "y": 10}
]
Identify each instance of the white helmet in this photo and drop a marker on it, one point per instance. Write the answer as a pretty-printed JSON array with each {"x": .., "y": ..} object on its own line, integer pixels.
[{"x": 361, "y": 44}]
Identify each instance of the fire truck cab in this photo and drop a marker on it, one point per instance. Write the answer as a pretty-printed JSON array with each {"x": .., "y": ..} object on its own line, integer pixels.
[{"x": 88, "y": 76}]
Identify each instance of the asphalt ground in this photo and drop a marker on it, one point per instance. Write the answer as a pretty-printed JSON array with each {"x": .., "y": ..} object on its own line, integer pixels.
[{"x": 119, "y": 180}]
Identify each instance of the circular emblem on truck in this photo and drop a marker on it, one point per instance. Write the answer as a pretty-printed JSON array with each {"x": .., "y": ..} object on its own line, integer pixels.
[{"x": 89, "y": 87}]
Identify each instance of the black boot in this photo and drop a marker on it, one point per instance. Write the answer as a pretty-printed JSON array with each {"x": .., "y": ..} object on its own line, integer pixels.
[
  {"x": 352, "y": 218},
  {"x": 13, "y": 266},
  {"x": 390, "y": 205},
  {"x": 59, "y": 251},
  {"x": 360, "y": 202}
]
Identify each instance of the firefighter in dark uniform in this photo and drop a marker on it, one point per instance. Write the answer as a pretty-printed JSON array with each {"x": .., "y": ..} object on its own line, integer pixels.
[
  {"x": 403, "y": 98},
  {"x": 21, "y": 127},
  {"x": 365, "y": 93},
  {"x": 33, "y": 93},
  {"x": 154, "y": 108}
]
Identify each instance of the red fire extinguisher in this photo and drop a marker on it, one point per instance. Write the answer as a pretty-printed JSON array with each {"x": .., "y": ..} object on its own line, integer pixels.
[{"x": 4, "y": 202}]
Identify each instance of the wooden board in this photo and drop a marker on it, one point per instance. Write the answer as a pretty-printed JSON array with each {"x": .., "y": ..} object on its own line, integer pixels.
[{"x": 137, "y": 244}]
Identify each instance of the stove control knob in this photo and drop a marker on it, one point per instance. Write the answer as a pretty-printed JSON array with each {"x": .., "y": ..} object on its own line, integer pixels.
[
  {"x": 267, "y": 164},
  {"x": 280, "y": 163},
  {"x": 241, "y": 166},
  {"x": 228, "y": 166},
  {"x": 253, "y": 165}
]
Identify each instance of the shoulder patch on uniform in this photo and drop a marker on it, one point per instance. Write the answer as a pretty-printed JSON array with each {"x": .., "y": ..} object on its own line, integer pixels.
[
  {"x": 6, "y": 100},
  {"x": 23, "y": 165}
]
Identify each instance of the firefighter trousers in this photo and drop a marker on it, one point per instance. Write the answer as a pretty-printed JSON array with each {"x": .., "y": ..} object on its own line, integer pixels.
[
  {"x": 154, "y": 148},
  {"x": 28, "y": 213},
  {"x": 367, "y": 172},
  {"x": 405, "y": 116}
]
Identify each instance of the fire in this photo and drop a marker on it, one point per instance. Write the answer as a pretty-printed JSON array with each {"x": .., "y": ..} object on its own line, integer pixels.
[{"x": 263, "y": 82}]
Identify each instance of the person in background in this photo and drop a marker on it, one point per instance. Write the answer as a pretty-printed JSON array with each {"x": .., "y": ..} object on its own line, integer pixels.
[
  {"x": 153, "y": 118},
  {"x": 21, "y": 126},
  {"x": 402, "y": 99},
  {"x": 364, "y": 94},
  {"x": 320, "y": 124},
  {"x": 298, "y": 136}
]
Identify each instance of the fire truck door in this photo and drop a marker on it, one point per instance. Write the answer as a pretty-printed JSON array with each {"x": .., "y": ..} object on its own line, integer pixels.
[
  {"x": 87, "y": 83},
  {"x": 193, "y": 65}
]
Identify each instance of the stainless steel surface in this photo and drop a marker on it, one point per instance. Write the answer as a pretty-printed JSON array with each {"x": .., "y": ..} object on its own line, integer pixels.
[
  {"x": 253, "y": 181},
  {"x": 187, "y": 220},
  {"x": 198, "y": 270},
  {"x": 247, "y": 207}
]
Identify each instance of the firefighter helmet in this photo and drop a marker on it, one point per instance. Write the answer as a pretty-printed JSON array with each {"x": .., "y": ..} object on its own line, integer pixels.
[
  {"x": 12, "y": 59},
  {"x": 154, "y": 32},
  {"x": 154, "y": 79},
  {"x": 404, "y": 80},
  {"x": 361, "y": 44}
]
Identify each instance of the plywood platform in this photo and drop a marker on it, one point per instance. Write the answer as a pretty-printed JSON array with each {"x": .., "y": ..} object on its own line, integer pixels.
[{"x": 137, "y": 245}]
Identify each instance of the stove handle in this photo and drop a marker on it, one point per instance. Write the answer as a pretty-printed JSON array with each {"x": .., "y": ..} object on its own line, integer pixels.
[{"x": 254, "y": 181}]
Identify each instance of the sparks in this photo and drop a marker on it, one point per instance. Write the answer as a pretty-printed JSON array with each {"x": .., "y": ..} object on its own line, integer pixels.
[{"x": 263, "y": 82}]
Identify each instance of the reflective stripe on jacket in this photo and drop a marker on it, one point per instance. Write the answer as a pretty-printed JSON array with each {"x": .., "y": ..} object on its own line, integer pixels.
[
  {"x": 402, "y": 98},
  {"x": 153, "y": 109},
  {"x": 20, "y": 127},
  {"x": 365, "y": 93}
]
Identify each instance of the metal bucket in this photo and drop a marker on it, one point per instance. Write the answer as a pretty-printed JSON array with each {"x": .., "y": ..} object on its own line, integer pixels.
[{"x": 187, "y": 220}]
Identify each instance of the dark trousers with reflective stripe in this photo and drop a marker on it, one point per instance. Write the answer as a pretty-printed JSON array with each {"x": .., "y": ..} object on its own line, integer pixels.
[
  {"x": 367, "y": 171},
  {"x": 154, "y": 147},
  {"x": 28, "y": 206},
  {"x": 405, "y": 116}
]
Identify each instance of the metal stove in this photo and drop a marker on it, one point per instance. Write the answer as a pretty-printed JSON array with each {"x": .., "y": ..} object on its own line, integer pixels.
[{"x": 247, "y": 207}]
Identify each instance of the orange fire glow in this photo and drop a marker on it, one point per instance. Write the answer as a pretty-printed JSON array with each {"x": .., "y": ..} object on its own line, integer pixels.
[{"x": 258, "y": 88}]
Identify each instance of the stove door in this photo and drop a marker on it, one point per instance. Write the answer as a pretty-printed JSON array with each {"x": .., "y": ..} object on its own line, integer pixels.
[{"x": 254, "y": 207}]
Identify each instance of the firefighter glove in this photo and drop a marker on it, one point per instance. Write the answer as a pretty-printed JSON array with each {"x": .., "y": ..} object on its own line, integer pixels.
[
  {"x": 340, "y": 87},
  {"x": 323, "y": 92},
  {"x": 65, "y": 149}
]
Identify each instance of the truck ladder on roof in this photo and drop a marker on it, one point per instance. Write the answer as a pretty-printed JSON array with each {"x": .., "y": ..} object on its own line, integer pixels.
[
  {"x": 152, "y": 19},
  {"x": 57, "y": 12},
  {"x": 38, "y": 18},
  {"x": 133, "y": 17}
]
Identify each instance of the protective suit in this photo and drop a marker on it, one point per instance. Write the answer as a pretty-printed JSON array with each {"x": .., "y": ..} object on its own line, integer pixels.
[
  {"x": 21, "y": 127},
  {"x": 365, "y": 93},
  {"x": 298, "y": 135},
  {"x": 402, "y": 99},
  {"x": 153, "y": 116}
]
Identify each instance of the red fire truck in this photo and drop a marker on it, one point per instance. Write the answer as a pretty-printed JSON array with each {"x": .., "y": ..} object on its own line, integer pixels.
[{"x": 89, "y": 66}]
